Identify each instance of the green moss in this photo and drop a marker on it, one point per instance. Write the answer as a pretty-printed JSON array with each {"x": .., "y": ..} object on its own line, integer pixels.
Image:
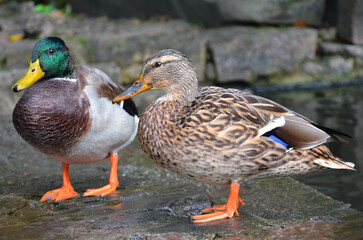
[
  {"x": 81, "y": 41},
  {"x": 69, "y": 38},
  {"x": 48, "y": 6},
  {"x": 21, "y": 216},
  {"x": 44, "y": 8}
]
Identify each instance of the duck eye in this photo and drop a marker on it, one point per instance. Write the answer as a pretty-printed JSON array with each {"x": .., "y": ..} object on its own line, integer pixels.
[
  {"x": 51, "y": 50},
  {"x": 157, "y": 64}
]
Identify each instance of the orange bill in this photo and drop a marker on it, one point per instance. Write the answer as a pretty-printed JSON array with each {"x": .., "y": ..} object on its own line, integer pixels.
[{"x": 137, "y": 87}]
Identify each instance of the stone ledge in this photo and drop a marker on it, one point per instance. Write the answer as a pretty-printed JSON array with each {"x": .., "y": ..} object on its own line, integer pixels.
[{"x": 153, "y": 202}]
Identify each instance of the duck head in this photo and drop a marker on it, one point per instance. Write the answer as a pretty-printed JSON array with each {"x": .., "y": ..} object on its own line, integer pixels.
[
  {"x": 168, "y": 70},
  {"x": 50, "y": 59}
]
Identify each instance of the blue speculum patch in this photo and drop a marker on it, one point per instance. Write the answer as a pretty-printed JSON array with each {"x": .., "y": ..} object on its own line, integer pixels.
[
  {"x": 274, "y": 136},
  {"x": 278, "y": 140}
]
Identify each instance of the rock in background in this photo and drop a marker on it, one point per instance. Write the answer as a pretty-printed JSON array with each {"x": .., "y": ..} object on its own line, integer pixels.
[
  {"x": 254, "y": 52},
  {"x": 350, "y": 24},
  {"x": 202, "y": 12},
  {"x": 126, "y": 43},
  {"x": 209, "y": 13},
  {"x": 271, "y": 12}
]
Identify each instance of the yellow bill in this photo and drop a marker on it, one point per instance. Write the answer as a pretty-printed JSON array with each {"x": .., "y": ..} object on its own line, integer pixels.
[{"x": 33, "y": 74}]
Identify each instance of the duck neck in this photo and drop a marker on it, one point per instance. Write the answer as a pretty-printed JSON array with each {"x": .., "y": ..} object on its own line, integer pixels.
[
  {"x": 63, "y": 69},
  {"x": 185, "y": 92}
]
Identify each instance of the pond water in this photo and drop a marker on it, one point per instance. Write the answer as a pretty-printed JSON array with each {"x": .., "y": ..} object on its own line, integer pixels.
[{"x": 340, "y": 109}]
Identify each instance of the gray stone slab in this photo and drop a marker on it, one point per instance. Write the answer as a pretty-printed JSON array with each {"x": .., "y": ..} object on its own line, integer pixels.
[
  {"x": 328, "y": 34},
  {"x": 200, "y": 12},
  {"x": 14, "y": 16},
  {"x": 350, "y": 21},
  {"x": 210, "y": 13},
  {"x": 8, "y": 97},
  {"x": 242, "y": 53},
  {"x": 132, "y": 46},
  {"x": 16, "y": 54},
  {"x": 348, "y": 50},
  {"x": 153, "y": 203},
  {"x": 333, "y": 66},
  {"x": 272, "y": 12}
]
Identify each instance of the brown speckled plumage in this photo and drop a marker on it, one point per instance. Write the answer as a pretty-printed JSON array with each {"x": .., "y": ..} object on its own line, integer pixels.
[
  {"x": 214, "y": 139},
  {"x": 224, "y": 136}
]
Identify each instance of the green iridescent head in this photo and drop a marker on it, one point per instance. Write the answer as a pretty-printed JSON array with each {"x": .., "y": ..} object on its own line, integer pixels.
[{"x": 50, "y": 59}]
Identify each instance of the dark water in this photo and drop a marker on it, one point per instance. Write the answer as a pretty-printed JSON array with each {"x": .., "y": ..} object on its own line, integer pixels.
[{"x": 340, "y": 109}]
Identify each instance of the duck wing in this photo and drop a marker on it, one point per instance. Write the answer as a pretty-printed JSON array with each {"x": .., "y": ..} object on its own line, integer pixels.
[
  {"x": 240, "y": 116},
  {"x": 99, "y": 80},
  {"x": 104, "y": 86}
]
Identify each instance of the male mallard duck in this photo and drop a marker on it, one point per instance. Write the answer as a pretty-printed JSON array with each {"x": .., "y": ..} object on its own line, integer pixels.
[
  {"x": 67, "y": 113},
  {"x": 224, "y": 136}
]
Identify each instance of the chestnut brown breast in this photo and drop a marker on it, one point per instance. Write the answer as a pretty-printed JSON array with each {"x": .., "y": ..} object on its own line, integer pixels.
[{"x": 51, "y": 115}]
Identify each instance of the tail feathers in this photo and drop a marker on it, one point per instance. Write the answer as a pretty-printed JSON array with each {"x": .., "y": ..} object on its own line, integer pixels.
[
  {"x": 335, "y": 135},
  {"x": 335, "y": 164}
]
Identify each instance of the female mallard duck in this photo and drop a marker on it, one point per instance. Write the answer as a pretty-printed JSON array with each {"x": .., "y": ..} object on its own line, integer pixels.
[
  {"x": 67, "y": 113},
  {"x": 224, "y": 136}
]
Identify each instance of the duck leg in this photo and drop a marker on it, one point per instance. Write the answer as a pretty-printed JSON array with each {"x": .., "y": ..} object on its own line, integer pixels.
[
  {"x": 113, "y": 182},
  {"x": 222, "y": 211},
  {"x": 65, "y": 192},
  {"x": 222, "y": 207}
]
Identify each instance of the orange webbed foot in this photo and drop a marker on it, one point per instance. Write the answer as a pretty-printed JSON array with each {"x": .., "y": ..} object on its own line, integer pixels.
[
  {"x": 228, "y": 210},
  {"x": 222, "y": 207},
  {"x": 65, "y": 192},
  {"x": 211, "y": 217},
  {"x": 113, "y": 182},
  {"x": 103, "y": 191}
]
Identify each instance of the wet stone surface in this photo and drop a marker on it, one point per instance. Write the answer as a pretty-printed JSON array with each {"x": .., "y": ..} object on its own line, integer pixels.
[{"x": 152, "y": 203}]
